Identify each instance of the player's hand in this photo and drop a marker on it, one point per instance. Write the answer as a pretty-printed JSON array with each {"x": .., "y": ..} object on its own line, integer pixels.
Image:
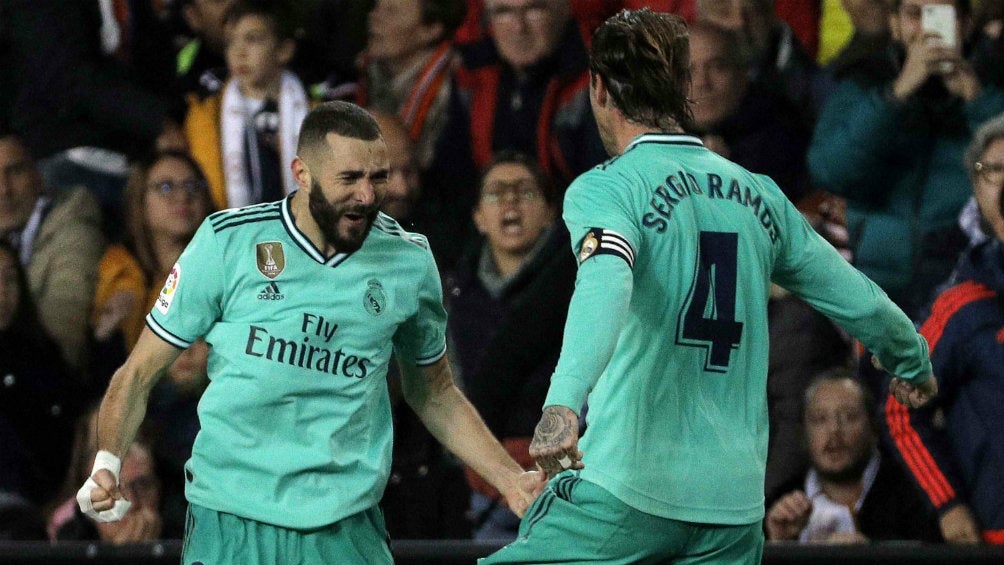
[
  {"x": 910, "y": 395},
  {"x": 529, "y": 486},
  {"x": 100, "y": 498},
  {"x": 958, "y": 526},
  {"x": 788, "y": 516},
  {"x": 555, "y": 441}
]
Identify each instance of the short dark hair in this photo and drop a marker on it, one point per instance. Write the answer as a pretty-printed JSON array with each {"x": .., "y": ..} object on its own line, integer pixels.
[
  {"x": 513, "y": 157},
  {"x": 964, "y": 8},
  {"x": 449, "y": 13},
  {"x": 338, "y": 117},
  {"x": 278, "y": 14},
  {"x": 643, "y": 58}
]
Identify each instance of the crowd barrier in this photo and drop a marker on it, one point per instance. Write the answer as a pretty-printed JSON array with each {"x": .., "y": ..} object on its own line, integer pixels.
[{"x": 463, "y": 552}]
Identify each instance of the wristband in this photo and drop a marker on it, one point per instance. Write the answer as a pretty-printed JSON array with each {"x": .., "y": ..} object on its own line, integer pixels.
[{"x": 107, "y": 460}]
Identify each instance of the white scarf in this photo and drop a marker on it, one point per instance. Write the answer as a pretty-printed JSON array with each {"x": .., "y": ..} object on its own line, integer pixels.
[{"x": 293, "y": 107}]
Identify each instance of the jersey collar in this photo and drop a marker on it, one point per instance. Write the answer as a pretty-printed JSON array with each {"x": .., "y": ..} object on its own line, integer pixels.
[
  {"x": 665, "y": 138},
  {"x": 303, "y": 241}
]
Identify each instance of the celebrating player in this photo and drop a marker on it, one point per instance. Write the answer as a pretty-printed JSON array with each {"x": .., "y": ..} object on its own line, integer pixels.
[
  {"x": 302, "y": 301},
  {"x": 667, "y": 328}
]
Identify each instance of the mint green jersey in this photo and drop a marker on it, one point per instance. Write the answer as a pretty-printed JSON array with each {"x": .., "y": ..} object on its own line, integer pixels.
[
  {"x": 296, "y": 421},
  {"x": 677, "y": 418}
]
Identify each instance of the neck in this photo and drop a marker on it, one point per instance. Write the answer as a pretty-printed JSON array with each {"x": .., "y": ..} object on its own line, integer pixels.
[
  {"x": 299, "y": 206},
  {"x": 166, "y": 251},
  {"x": 626, "y": 131},
  {"x": 399, "y": 65},
  {"x": 508, "y": 263},
  {"x": 843, "y": 493},
  {"x": 270, "y": 90}
]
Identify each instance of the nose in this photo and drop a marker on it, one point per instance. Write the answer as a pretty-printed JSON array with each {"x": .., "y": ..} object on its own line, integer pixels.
[{"x": 367, "y": 193}]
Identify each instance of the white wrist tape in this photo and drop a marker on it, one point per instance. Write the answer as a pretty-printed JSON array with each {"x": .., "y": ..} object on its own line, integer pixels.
[{"x": 103, "y": 460}]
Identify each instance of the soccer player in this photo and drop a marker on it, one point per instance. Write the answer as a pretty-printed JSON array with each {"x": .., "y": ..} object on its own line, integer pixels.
[
  {"x": 667, "y": 328},
  {"x": 302, "y": 301}
]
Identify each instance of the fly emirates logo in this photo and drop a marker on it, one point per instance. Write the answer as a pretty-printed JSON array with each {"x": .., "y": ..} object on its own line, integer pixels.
[{"x": 312, "y": 350}]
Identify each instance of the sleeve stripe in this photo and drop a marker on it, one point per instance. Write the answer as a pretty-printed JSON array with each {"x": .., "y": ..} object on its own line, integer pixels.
[
  {"x": 425, "y": 361},
  {"x": 618, "y": 244},
  {"x": 166, "y": 335},
  {"x": 918, "y": 459}
]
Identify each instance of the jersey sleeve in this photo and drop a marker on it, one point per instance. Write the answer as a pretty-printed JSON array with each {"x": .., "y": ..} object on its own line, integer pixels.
[
  {"x": 600, "y": 218},
  {"x": 192, "y": 296},
  {"x": 811, "y": 268},
  {"x": 421, "y": 339}
]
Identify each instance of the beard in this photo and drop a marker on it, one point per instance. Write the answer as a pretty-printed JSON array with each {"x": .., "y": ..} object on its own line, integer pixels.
[
  {"x": 328, "y": 215},
  {"x": 850, "y": 473}
]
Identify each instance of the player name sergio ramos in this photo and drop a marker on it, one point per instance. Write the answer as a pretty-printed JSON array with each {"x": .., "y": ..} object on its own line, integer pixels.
[
  {"x": 666, "y": 196},
  {"x": 299, "y": 351}
]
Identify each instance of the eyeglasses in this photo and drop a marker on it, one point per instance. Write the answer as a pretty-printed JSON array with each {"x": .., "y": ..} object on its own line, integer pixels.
[
  {"x": 520, "y": 191},
  {"x": 991, "y": 172},
  {"x": 840, "y": 419},
  {"x": 534, "y": 13},
  {"x": 188, "y": 187}
]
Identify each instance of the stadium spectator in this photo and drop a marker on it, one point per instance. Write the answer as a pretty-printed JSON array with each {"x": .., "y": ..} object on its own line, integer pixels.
[
  {"x": 58, "y": 240},
  {"x": 890, "y": 140},
  {"x": 200, "y": 63},
  {"x": 40, "y": 395},
  {"x": 244, "y": 135},
  {"x": 777, "y": 61},
  {"x": 522, "y": 88},
  {"x": 408, "y": 66},
  {"x": 508, "y": 298},
  {"x": 89, "y": 92},
  {"x": 851, "y": 493},
  {"x": 952, "y": 448},
  {"x": 741, "y": 120}
]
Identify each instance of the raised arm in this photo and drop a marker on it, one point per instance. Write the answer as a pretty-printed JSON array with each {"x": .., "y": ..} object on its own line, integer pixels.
[{"x": 122, "y": 411}]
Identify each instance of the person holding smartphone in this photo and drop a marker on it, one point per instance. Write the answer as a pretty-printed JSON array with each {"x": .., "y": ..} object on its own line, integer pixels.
[{"x": 890, "y": 140}]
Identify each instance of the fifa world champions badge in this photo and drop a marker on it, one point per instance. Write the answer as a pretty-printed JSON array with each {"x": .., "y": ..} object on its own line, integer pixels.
[{"x": 271, "y": 258}]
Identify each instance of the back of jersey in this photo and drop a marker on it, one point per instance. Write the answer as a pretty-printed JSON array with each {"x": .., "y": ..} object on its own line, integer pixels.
[{"x": 678, "y": 421}]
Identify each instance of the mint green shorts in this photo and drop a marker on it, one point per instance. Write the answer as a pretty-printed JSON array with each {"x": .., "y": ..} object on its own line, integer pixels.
[
  {"x": 576, "y": 521},
  {"x": 216, "y": 538}
]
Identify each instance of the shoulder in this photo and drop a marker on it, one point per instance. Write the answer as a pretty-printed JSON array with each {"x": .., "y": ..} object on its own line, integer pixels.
[
  {"x": 387, "y": 229},
  {"x": 238, "y": 220}
]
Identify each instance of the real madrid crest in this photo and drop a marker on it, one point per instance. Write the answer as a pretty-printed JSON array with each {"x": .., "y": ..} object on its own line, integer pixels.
[
  {"x": 271, "y": 258},
  {"x": 375, "y": 301},
  {"x": 589, "y": 245}
]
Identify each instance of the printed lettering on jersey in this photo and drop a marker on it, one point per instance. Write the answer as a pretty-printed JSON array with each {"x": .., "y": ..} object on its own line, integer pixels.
[
  {"x": 271, "y": 292},
  {"x": 374, "y": 300},
  {"x": 271, "y": 258},
  {"x": 170, "y": 286},
  {"x": 605, "y": 242}
]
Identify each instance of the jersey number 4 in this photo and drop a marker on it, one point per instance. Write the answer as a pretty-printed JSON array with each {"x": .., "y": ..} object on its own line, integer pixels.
[{"x": 708, "y": 318}]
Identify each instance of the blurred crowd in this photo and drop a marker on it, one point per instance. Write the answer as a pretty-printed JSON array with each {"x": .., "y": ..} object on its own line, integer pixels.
[{"x": 124, "y": 123}]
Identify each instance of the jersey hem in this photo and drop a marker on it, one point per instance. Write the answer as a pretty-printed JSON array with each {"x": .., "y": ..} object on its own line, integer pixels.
[{"x": 662, "y": 509}]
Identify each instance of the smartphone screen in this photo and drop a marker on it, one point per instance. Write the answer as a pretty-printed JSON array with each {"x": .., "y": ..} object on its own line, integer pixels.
[{"x": 940, "y": 19}]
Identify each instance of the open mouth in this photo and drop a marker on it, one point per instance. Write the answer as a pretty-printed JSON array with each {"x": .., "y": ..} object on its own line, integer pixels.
[{"x": 512, "y": 222}]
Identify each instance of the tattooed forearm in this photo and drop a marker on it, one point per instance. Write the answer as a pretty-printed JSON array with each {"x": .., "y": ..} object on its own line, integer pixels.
[{"x": 552, "y": 429}]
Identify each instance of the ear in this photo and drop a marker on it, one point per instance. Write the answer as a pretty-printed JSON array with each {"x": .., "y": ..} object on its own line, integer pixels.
[
  {"x": 598, "y": 90},
  {"x": 285, "y": 51},
  {"x": 301, "y": 173},
  {"x": 479, "y": 219}
]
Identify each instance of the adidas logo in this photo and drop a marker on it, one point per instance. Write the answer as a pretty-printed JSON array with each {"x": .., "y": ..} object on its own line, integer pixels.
[{"x": 271, "y": 292}]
